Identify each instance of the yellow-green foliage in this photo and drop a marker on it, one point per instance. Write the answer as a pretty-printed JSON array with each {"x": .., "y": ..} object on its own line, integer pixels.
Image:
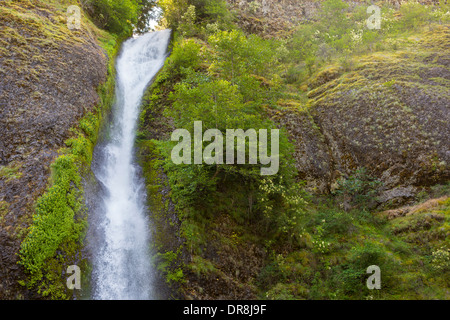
[
  {"x": 315, "y": 251},
  {"x": 110, "y": 44}
]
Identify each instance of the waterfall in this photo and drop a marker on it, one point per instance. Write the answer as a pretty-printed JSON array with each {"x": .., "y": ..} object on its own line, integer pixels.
[{"x": 120, "y": 235}]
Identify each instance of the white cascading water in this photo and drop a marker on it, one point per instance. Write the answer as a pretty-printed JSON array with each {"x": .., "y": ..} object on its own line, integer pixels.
[{"x": 122, "y": 268}]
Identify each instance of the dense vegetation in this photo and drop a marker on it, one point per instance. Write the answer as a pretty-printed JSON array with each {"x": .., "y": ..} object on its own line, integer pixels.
[
  {"x": 226, "y": 228},
  {"x": 315, "y": 247},
  {"x": 59, "y": 226}
]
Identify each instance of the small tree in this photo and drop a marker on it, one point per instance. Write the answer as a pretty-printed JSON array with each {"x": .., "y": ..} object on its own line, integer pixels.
[{"x": 358, "y": 190}]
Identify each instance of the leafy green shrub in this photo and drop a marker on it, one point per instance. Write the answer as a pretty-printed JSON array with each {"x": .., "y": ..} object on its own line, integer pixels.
[
  {"x": 187, "y": 26},
  {"x": 55, "y": 224},
  {"x": 224, "y": 98},
  {"x": 335, "y": 221},
  {"x": 351, "y": 277},
  {"x": 192, "y": 186},
  {"x": 359, "y": 189},
  {"x": 185, "y": 58},
  {"x": 283, "y": 209},
  {"x": 320, "y": 245},
  {"x": 237, "y": 54}
]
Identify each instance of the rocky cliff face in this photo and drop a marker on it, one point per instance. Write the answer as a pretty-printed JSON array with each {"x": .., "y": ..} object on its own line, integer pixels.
[
  {"x": 272, "y": 18},
  {"x": 49, "y": 75},
  {"x": 388, "y": 113}
]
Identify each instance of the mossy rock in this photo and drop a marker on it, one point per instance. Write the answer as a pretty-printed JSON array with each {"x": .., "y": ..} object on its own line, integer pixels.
[
  {"x": 50, "y": 76},
  {"x": 389, "y": 113}
]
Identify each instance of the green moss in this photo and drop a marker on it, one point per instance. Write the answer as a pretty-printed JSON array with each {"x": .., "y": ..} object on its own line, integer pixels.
[
  {"x": 325, "y": 75},
  {"x": 54, "y": 225},
  {"x": 427, "y": 227}
]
